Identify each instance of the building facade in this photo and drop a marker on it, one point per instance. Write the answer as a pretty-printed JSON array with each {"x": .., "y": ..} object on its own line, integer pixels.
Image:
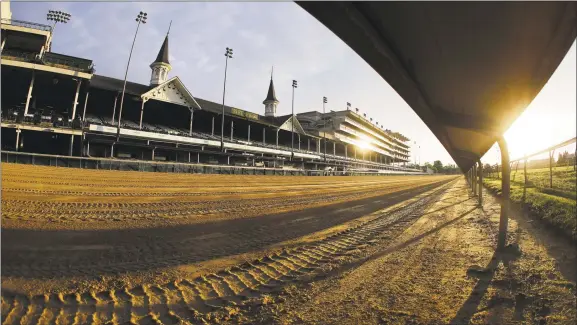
[{"x": 56, "y": 104}]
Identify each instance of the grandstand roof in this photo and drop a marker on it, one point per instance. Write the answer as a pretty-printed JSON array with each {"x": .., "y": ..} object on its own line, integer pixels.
[
  {"x": 114, "y": 84},
  {"x": 468, "y": 69},
  {"x": 283, "y": 123}
]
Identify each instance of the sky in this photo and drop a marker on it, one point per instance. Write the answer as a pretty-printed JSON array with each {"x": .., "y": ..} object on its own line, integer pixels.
[{"x": 263, "y": 35}]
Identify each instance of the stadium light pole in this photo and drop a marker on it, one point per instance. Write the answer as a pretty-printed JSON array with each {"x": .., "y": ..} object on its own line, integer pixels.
[
  {"x": 141, "y": 18},
  {"x": 324, "y": 127},
  {"x": 228, "y": 55},
  {"x": 292, "y": 122},
  {"x": 56, "y": 17}
]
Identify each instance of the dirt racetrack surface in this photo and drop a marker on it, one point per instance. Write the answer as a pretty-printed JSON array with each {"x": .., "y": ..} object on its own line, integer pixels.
[
  {"x": 61, "y": 225},
  {"x": 361, "y": 250}
]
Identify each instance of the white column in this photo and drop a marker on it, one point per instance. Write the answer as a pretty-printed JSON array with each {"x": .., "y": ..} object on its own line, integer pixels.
[
  {"x": 18, "y": 139},
  {"x": 248, "y": 139},
  {"x": 79, "y": 82},
  {"x": 346, "y": 151},
  {"x": 191, "y": 119},
  {"x": 85, "y": 103},
  {"x": 231, "y": 129},
  {"x": 71, "y": 144},
  {"x": 29, "y": 92},
  {"x": 298, "y": 135},
  {"x": 114, "y": 109},
  {"x": 334, "y": 148},
  {"x": 263, "y": 135},
  {"x": 3, "y": 42},
  {"x": 212, "y": 126},
  {"x": 309, "y": 144},
  {"x": 142, "y": 112},
  {"x": 277, "y": 136}
]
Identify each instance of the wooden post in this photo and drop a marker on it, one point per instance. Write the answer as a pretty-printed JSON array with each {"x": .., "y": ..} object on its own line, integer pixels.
[
  {"x": 525, "y": 171},
  {"x": 474, "y": 174},
  {"x": 505, "y": 191},
  {"x": 480, "y": 173},
  {"x": 551, "y": 153}
]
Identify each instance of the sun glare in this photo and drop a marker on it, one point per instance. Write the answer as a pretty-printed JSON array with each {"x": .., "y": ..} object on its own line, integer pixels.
[
  {"x": 550, "y": 118},
  {"x": 363, "y": 144}
]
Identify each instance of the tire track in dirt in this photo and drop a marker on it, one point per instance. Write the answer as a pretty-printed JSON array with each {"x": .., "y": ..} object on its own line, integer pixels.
[{"x": 215, "y": 295}]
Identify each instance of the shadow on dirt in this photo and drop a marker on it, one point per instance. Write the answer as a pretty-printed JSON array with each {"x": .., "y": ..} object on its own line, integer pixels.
[{"x": 485, "y": 276}]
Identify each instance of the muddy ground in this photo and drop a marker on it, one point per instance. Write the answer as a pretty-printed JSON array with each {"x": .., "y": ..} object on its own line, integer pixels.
[{"x": 125, "y": 247}]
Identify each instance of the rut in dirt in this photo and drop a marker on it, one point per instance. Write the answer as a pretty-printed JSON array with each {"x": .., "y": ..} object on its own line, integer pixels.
[{"x": 200, "y": 299}]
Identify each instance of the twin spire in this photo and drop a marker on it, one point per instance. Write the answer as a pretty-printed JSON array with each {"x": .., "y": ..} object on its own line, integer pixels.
[
  {"x": 161, "y": 66},
  {"x": 271, "y": 95},
  {"x": 270, "y": 103},
  {"x": 163, "y": 53}
]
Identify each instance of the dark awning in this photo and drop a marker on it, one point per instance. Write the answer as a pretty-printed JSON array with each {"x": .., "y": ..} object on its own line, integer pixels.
[{"x": 468, "y": 69}]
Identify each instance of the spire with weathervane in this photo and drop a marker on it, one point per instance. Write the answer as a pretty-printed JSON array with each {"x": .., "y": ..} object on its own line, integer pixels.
[
  {"x": 270, "y": 103},
  {"x": 160, "y": 67}
]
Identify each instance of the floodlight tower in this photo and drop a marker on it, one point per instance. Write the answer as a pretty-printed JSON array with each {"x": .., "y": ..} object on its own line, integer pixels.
[
  {"x": 228, "y": 55},
  {"x": 140, "y": 19},
  {"x": 56, "y": 17}
]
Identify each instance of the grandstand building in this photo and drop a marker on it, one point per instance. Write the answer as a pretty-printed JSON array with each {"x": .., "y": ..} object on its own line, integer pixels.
[{"x": 55, "y": 104}]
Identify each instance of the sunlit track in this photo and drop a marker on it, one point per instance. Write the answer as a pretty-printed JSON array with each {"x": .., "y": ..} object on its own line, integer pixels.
[
  {"x": 77, "y": 199},
  {"x": 180, "y": 246},
  {"x": 208, "y": 297}
]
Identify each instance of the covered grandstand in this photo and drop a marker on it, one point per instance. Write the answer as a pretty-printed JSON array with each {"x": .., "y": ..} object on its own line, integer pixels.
[{"x": 55, "y": 104}]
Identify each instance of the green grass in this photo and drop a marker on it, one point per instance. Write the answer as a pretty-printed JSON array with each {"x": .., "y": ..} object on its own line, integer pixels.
[
  {"x": 564, "y": 179},
  {"x": 557, "y": 211}
]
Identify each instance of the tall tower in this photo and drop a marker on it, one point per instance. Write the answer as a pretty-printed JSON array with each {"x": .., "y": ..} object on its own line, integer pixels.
[
  {"x": 160, "y": 67},
  {"x": 270, "y": 103}
]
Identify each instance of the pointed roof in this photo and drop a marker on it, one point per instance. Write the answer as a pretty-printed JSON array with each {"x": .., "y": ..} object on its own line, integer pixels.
[
  {"x": 163, "y": 53},
  {"x": 182, "y": 95},
  {"x": 270, "y": 96}
]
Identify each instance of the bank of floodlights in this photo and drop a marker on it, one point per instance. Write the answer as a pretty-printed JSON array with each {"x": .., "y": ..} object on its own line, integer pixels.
[{"x": 57, "y": 17}]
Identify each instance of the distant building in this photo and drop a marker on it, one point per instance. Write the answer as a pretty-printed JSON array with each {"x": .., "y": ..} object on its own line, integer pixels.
[{"x": 58, "y": 105}]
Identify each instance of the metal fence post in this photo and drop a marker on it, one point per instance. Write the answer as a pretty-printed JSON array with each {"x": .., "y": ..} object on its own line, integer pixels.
[{"x": 505, "y": 191}]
